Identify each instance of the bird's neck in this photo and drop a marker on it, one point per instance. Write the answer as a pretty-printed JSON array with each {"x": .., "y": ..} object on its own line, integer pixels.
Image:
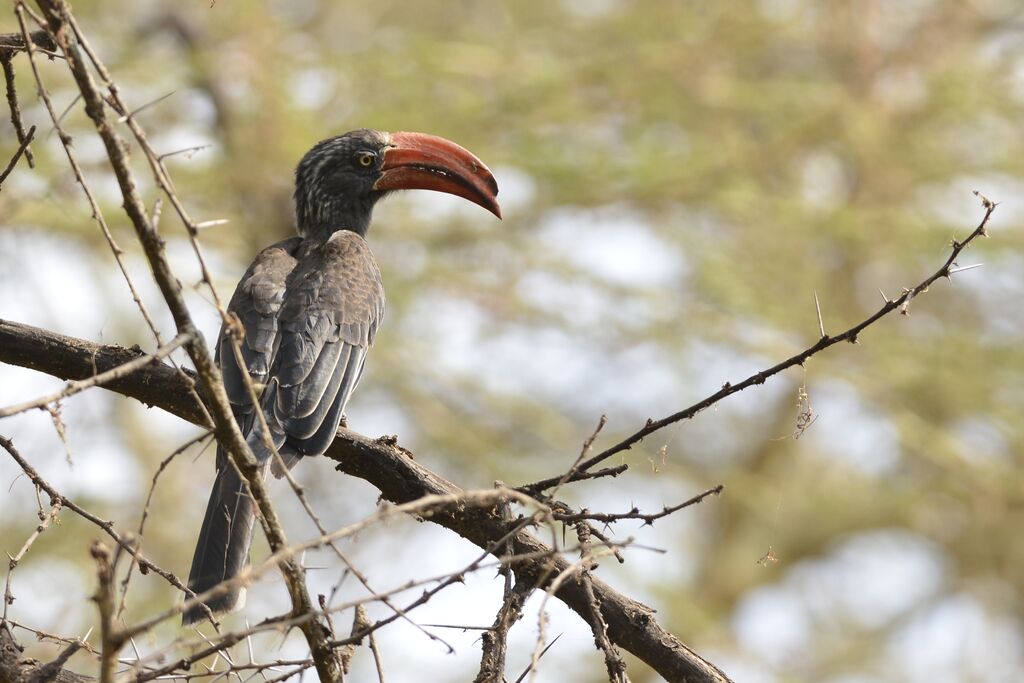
[{"x": 319, "y": 217}]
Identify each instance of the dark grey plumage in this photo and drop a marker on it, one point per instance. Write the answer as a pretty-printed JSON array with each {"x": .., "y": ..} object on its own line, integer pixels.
[
  {"x": 310, "y": 307},
  {"x": 331, "y": 190}
]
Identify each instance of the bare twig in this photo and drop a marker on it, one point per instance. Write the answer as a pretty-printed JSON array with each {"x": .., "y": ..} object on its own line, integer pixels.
[
  {"x": 45, "y": 518},
  {"x": 647, "y": 518},
  {"x": 22, "y": 149},
  {"x": 108, "y": 527},
  {"x": 495, "y": 639},
  {"x": 189, "y": 152},
  {"x": 46, "y": 636},
  {"x": 398, "y": 476},
  {"x": 588, "y": 443},
  {"x": 111, "y": 635},
  {"x": 900, "y": 303},
  {"x": 10, "y": 43},
  {"x": 544, "y": 484},
  {"x": 20, "y": 9},
  {"x": 76, "y": 50},
  {"x": 145, "y": 511},
  {"x": 102, "y": 378},
  {"x": 378, "y": 661},
  {"x": 14, "y": 668},
  {"x": 614, "y": 665},
  {"x": 566, "y": 574}
]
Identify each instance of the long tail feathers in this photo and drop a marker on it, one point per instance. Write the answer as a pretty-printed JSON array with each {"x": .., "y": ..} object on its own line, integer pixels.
[{"x": 224, "y": 541}]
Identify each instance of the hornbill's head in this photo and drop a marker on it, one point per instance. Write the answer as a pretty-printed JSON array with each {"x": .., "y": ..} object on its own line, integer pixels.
[{"x": 338, "y": 182}]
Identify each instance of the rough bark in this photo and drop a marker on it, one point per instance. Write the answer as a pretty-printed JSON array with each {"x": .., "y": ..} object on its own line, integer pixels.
[
  {"x": 15, "y": 669},
  {"x": 394, "y": 472}
]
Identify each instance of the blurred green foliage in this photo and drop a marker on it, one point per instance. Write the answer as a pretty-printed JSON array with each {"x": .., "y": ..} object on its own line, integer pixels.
[{"x": 761, "y": 151}]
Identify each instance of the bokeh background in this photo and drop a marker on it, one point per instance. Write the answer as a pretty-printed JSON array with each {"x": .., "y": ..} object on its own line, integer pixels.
[{"x": 678, "y": 180}]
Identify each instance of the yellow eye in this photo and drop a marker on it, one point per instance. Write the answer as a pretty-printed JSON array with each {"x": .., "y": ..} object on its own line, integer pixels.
[{"x": 367, "y": 158}]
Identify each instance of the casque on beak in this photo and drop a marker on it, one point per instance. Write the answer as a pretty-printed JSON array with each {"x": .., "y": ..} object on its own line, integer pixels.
[{"x": 417, "y": 161}]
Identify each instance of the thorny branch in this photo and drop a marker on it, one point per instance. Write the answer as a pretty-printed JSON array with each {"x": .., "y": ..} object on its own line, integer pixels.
[
  {"x": 15, "y": 669},
  {"x": 402, "y": 480},
  {"x": 615, "y": 620},
  {"x": 10, "y": 44},
  {"x": 65, "y": 139},
  {"x": 495, "y": 639},
  {"x": 45, "y": 519},
  {"x": 399, "y": 477},
  {"x": 22, "y": 149},
  {"x": 634, "y": 513},
  {"x": 56, "y": 498},
  {"x": 71, "y": 41},
  {"x": 900, "y": 303},
  {"x": 100, "y": 379},
  {"x": 613, "y": 662},
  {"x": 353, "y": 446},
  {"x": 111, "y": 636}
]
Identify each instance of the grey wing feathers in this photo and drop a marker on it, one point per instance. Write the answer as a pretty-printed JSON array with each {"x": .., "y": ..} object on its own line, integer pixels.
[
  {"x": 333, "y": 305},
  {"x": 328, "y": 412},
  {"x": 306, "y": 389},
  {"x": 310, "y": 312},
  {"x": 256, "y": 302}
]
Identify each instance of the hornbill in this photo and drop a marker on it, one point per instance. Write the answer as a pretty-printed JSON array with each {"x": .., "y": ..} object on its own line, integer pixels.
[{"x": 310, "y": 307}]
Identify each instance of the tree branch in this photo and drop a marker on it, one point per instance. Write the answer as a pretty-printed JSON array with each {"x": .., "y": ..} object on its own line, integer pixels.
[
  {"x": 14, "y": 669},
  {"x": 900, "y": 303},
  {"x": 399, "y": 478},
  {"x": 63, "y": 29},
  {"x": 120, "y": 370},
  {"x": 22, "y": 149},
  {"x": 15, "y": 42}
]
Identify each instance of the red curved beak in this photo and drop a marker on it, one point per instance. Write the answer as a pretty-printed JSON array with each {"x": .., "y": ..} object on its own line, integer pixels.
[{"x": 416, "y": 161}]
